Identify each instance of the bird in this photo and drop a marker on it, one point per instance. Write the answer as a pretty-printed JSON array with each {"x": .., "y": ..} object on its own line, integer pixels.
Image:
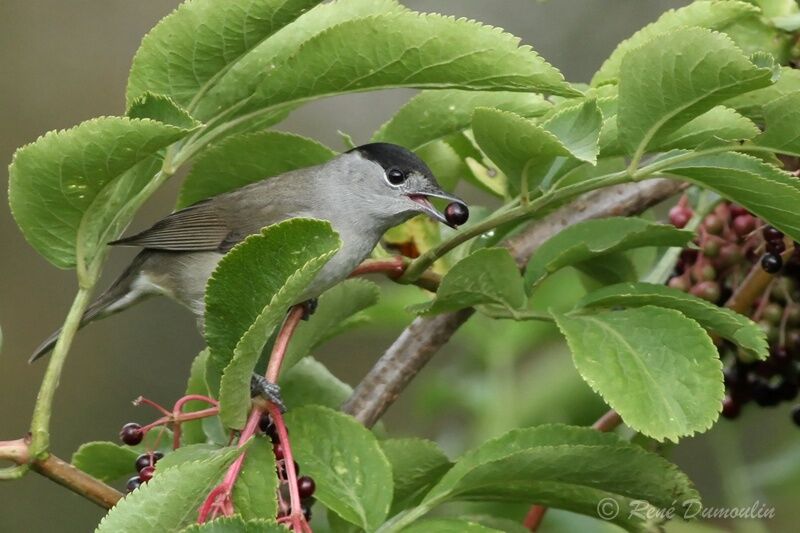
[{"x": 362, "y": 192}]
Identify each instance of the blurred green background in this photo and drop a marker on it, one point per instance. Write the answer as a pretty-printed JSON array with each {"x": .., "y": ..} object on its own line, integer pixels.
[{"x": 64, "y": 62}]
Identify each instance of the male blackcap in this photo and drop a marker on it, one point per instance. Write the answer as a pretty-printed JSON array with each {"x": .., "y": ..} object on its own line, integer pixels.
[{"x": 363, "y": 193}]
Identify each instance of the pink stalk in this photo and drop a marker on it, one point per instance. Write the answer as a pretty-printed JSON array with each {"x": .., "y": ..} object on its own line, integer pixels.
[{"x": 219, "y": 500}]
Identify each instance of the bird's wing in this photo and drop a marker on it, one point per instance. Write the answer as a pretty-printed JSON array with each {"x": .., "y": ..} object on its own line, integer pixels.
[{"x": 196, "y": 228}]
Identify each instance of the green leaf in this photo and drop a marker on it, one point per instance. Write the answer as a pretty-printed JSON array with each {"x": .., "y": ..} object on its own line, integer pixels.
[
  {"x": 752, "y": 104},
  {"x": 577, "y": 126},
  {"x": 433, "y": 115},
  {"x": 188, "y": 454},
  {"x": 487, "y": 276},
  {"x": 712, "y": 15},
  {"x": 417, "y": 464},
  {"x": 763, "y": 189},
  {"x": 309, "y": 382},
  {"x": 354, "y": 478},
  {"x": 464, "y": 55},
  {"x": 593, "y": 238},
  {"x": 337, "y": 311},
  {"x": 56, "y": 181},
  {"x": 610, "y": 268},
  {"x": 245, "y": 302},
  {"x": 171, "y": 499},
  {"x": 191, "y": 48},
  {"x": 236, "y": 524},
  {"x": 728, "y": 324},
  {"x": 720, "y": 125},
  {"x": 255, "y": 492},
  {"x": 790, "y": 23},
  {"x": 193, "y": 431},
  {"x": 524, "y": 149},
  {"x": 521, "y": 148},
  {"x": 658, "y": 369},
  {"x": 243, "y": 78},
  {"x": 703, "y": 68},
  {"x": 448, "y": 525},
  {"x": 105, "y": 460},
  {"x": 570, "y": 468},
  {"x": 782, "y": 130},
  {"x": 163, "y": 109},
  {"x": 246, "y": 158}
]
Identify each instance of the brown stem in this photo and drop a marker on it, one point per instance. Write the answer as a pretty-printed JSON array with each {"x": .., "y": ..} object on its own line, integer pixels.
[
  {"x": 418, "y": 343},
  {"x": 63, "y": 473},
  {"x": 394, "y": 268},
  {"x": 77, "y": 481}
]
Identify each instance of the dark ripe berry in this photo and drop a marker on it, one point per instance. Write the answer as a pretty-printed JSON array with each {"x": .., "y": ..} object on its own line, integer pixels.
[
  {"x": 714, "y": 224},
  {"x": 306, "y": 486},
  {"x": 765, "y": 395},
  {"x": 787, "y": 390},
  {"x": 456, "y": 213},
  {"x": 771, "y": 233},
  {"x": 731, "y": 408},
  {"x": 277, "y": 449},
  {"x": 284, "y": 474},
  {"x": 773, "y": 312},
  {"x": 266, "y": 425},
  {"x": 147, "y": 459},
  {"x": 146, "y": 473},
  {"x": 796, "y": 415},
  {"x": 771, "y": 263},
  {"x": 680, "y": 283},
  {"x": 737, "y": 210},
  {"x": 775, "y": 247},
  {"x": 133, "y": 484},
  {"x": 779, "y": 357},
  {"x": 679, "y": 216},
  {"x": 743, "y": 225},
  {"x": 131, "y": 434},
  {"x": 707, "y": 290}
]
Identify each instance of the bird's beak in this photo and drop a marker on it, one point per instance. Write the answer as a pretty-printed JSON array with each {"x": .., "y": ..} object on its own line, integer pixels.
[{"x": 423, "y": 199}]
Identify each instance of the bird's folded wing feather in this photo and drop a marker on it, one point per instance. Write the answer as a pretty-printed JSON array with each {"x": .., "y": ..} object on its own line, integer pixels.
[{"x": 196, "y": 228}]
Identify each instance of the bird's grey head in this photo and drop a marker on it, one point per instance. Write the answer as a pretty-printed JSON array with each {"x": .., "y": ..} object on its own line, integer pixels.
[{"x": 391, "y": 183}]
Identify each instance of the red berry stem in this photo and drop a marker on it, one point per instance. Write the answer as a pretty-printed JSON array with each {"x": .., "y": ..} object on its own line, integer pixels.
[
  {"x": 296, "y": 519},
  {"x": 177, "y": 412},
  {"x": 393, "y": 267},
  {"x": 142, "y": 400},
  {"x": 218, "y": 502}
]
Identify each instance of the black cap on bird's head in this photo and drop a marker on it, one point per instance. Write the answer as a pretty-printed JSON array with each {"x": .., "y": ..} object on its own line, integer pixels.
[{"x": 411, "y": 177}]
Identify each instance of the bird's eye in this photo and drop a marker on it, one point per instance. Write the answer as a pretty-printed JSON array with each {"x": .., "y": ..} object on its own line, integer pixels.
[{"x": 395, "y": 176}]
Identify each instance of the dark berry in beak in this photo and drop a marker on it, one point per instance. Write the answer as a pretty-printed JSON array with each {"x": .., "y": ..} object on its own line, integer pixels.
[{"x": 456, "y": 213}]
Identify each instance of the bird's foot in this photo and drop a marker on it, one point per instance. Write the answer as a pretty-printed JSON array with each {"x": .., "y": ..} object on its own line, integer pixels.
[
  {"x": 309, "y": 306},
  {"x": 261, "y": 386}
]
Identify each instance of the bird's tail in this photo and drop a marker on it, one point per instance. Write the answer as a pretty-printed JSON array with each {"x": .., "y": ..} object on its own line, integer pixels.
[{"x": 117, "y": 297}]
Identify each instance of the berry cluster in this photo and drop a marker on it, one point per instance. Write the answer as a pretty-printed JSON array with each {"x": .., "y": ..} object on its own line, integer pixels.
[
  {"x": 730, "y": 243},
  {"x": 305, "y": 484},
  {"x": 132, "y": 434}
]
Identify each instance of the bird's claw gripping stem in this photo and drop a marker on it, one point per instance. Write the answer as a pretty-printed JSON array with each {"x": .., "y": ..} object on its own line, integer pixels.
[{"x": 261, "y": 386}]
